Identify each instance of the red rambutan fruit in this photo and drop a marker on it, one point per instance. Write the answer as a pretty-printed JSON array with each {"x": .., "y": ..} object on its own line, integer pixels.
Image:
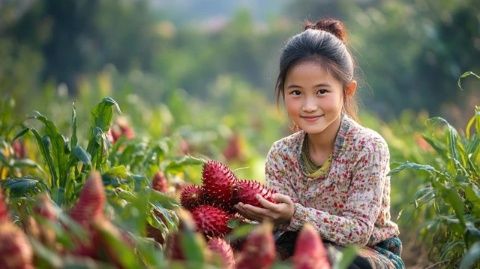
[
  {"x": 218, "y": 183},
  {"x": 310, "y": 252},
  {"x": 159, "y": 182},
  {"x": 191, "y": 196},
  {"x": 258, "y": 251},
  {"x": 211, "y": 221},
  {"x": 246, "y": 190},
  {"x": 223, "y": 249}
]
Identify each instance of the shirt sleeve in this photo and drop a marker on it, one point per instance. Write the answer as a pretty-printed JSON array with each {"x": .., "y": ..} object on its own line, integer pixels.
[
  {"x": 276, "y": 172},
  {"x": 356, "y": 222}
]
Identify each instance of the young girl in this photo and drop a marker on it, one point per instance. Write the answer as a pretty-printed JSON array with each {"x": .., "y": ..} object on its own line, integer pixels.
[{"x": 332, "y": 172}]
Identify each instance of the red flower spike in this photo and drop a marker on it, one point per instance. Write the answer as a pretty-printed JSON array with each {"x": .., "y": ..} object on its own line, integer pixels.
[
  {"x": 159, "y": 182},
  {"x": 246, "y": 190},
  {"x": 15, "y": 249},
  {"x": 224, "y": 251},
  {"x": 191, "y": 196},
  {"x": 91, "y": 200},
  {"x": 211, "y": 221},
  {"x": 309, "y": 250},
  {"x": 218, "y": 183},
  {"x": 258, "y": 251},
  {"x": 4, "y": 217}
]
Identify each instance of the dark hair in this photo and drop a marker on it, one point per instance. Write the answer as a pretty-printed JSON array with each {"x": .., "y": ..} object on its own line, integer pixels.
[{"x": 325, "y": 43}]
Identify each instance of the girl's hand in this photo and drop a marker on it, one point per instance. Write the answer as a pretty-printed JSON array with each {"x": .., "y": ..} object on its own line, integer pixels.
[{"x": 278, "y": 213}]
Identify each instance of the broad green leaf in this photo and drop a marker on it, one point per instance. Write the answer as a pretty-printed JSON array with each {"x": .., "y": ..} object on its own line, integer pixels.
[
  {"x": 103, "y": 113},
  {"x": 23, "y": 186},
  {"x": 346, "y": 258},
  {"x": 26, "y": 163},
  {"x": 118, "y": 250},
  {"x": 46, "y": 156},
  {"x": 239, "y": 231},
  {"x": 178, "y": 165},
  {"x": 471, "y": 258},
  {"x": 414, "y": 166},
  {"x": 453, "y": 198},
  {"x": 193, "y": 246},
  {"x": 423, "y": 196},
  {"x": 81, "y": 155},
  {"x": 164, "y": 200}
]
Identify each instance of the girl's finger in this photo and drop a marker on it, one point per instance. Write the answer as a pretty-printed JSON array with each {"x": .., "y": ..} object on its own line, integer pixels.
[
  {"x": 281, "y": 198},
  {"x": 265, "y": 203}
]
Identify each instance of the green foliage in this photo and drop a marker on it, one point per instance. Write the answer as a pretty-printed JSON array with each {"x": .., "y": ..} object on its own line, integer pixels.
[{"x": 452, "y": 191}]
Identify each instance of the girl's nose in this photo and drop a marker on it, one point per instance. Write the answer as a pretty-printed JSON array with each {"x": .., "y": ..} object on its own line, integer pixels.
[{"x": 309, "y": 105}]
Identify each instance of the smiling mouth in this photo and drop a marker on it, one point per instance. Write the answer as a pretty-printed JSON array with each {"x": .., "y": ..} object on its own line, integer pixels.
[{"x": 311, "y": 118}]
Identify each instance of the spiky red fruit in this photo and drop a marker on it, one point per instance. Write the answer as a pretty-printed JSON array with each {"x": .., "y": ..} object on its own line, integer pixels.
[
  {"x": 224, "y": 251},
  {"x": 91, "y": 200},
  {"x": 159, "y": 182},
  {"x": 246, "y": 190},
  {"x": 258, "y": 251},
  {"x": 15, "y": 250},
  {"x": 191, "y": 196},
  {"x": 211, "y": 221},
  {"x": 218, "y": 183},
  {"x": 309, "y": 250}
]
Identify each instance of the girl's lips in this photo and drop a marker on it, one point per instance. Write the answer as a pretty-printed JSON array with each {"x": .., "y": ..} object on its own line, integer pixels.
[{"x": 311, "y": 118}]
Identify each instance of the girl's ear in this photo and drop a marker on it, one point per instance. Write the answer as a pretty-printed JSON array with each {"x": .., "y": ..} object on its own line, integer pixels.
[{"x": 351, "y": 88}]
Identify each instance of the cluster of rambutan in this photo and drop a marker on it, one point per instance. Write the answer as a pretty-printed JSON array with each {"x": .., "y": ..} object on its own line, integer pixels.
[
  {"x": 212, "y": 207},
  {"x": 212, "y": 204}
]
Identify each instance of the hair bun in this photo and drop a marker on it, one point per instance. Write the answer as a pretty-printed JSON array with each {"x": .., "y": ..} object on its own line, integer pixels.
[{"x": 333, "y": 26}]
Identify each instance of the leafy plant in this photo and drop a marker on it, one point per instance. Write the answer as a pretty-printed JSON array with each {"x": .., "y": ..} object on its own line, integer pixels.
[{"x": 452, "y": 191}]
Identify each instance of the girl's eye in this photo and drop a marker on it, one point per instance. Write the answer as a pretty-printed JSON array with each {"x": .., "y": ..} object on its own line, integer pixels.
[
  {"x": 322, "y": 92},
  {"x": 295, "y": 92}
]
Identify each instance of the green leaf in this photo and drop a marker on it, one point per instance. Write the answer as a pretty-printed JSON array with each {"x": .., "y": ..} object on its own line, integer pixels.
[
  {"x": 26, "y": 163},
  {"x": 423, "y": 196},
  {"x": 82, "y": 155},
  {"x": 164, "y": 200},
  {"x": 453, "y": 198},
  {"x": 414, "y": 166},
  {"x": 46, "y": 156},
  {"x": 346, "y": 258},
  {"x": 103, "y": 113},
  {"x": 464, "y": 75},
  {"x": 73, "y": 138},
  {"x": 193, "y": 246},
  {"x": 118, "y": 171},
  {"x": 179, "y": 164},
  {"x": 22, "y": 186},
  {"x": 118, "y": 250},
  {"x": 471, "y": 257},
  {"x": 21, "y": 133}
]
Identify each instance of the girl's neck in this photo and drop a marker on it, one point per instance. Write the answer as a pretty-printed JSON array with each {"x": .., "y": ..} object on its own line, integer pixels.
[{"x": 323, "y": 143}]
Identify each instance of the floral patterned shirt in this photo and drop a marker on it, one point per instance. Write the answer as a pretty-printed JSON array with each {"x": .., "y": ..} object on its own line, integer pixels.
[{"x": 351, "y": 203}]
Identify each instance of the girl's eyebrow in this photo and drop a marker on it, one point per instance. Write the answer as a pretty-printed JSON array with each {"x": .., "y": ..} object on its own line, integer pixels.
[{"x": 315, "y": 86}]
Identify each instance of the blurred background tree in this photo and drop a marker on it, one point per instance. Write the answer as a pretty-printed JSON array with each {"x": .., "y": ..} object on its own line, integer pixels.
[{"x": 410, "y": 52}]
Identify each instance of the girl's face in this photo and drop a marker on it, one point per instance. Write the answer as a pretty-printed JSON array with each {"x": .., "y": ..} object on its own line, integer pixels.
[{"x": 313, "y": 97}]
